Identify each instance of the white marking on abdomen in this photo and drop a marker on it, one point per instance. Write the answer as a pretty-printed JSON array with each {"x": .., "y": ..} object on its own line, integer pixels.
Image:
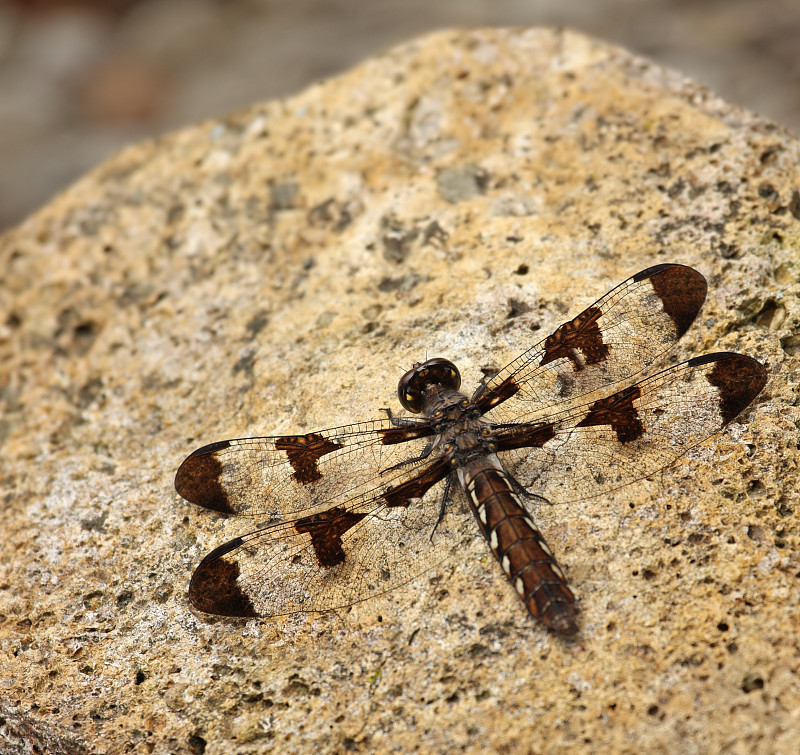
[{"x": 544, "y": 546}]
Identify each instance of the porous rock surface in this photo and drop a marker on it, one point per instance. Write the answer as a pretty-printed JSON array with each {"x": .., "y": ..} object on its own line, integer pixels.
[{"x": 276, "y": 271}]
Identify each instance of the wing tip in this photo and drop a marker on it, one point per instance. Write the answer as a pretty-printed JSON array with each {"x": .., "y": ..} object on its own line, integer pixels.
[
  {"x": 214, "y": 589},
  {"x": 738, "y": 378},
  {"x": 682, "y": 291},
  {"x": 198, "y": 479}
]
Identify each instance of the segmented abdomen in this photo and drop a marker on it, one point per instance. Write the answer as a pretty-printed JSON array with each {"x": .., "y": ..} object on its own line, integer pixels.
[{"x": 518, "y": 545}]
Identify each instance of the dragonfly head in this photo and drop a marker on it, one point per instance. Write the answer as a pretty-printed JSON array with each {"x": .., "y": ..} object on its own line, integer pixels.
[{"x": 439, "y": 372}]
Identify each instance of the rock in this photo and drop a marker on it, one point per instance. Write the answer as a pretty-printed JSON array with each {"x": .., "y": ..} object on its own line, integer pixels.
[{"x": 276, "y": 271}]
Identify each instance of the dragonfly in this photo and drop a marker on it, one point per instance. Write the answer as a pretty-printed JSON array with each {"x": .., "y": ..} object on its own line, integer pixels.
[{"x": 351, "y": 512}]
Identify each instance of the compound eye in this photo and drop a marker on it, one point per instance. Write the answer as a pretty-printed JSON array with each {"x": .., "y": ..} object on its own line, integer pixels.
[
  {"x": 411, "y": 388},
  {"x": 409, "y": 391},
  {"x": 410, "y": 400}
]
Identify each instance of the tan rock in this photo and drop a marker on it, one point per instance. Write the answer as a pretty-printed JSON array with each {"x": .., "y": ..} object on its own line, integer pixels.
[{"x": 276, "y": 271}]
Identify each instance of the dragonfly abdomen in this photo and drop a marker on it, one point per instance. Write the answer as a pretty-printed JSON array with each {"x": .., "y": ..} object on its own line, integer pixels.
[{"x": 524, "y": 556}]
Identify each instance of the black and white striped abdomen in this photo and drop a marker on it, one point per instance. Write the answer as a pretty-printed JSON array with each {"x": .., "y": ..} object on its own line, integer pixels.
[{"x": 518, "y": 545}]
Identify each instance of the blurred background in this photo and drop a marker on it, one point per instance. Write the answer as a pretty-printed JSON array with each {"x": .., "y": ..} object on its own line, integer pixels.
[{"x": 81, "y": 78}]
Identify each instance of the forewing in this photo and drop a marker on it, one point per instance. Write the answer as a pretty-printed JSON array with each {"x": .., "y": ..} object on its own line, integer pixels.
[
  {"x": 620, "y": 335},
  {"x": 610, "y": 442},
  {"x": 275, "y": 477}
]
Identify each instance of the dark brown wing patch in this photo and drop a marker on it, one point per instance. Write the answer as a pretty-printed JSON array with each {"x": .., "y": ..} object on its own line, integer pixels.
[
  {"x": 199, "y": 479},
  {"x": 326, "y": 530},
  {"x": 486, "y": 400},
  {"x": 523, "y": 436},
  {"x": 682, "y": 291},
  {"x": 416, "y": 487},
  {"x": 578, "y": 340},
  {"x": 618, "y": 411},
  {"x": 304, "y": 451},
  {"x": 738, "y": 378},
  {"x": 214, "y": 589},
  {"x": 393, "y": 435}
]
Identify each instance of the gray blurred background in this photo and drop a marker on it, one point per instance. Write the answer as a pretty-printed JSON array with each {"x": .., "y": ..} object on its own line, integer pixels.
[{"x": 81, "y": 78}]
